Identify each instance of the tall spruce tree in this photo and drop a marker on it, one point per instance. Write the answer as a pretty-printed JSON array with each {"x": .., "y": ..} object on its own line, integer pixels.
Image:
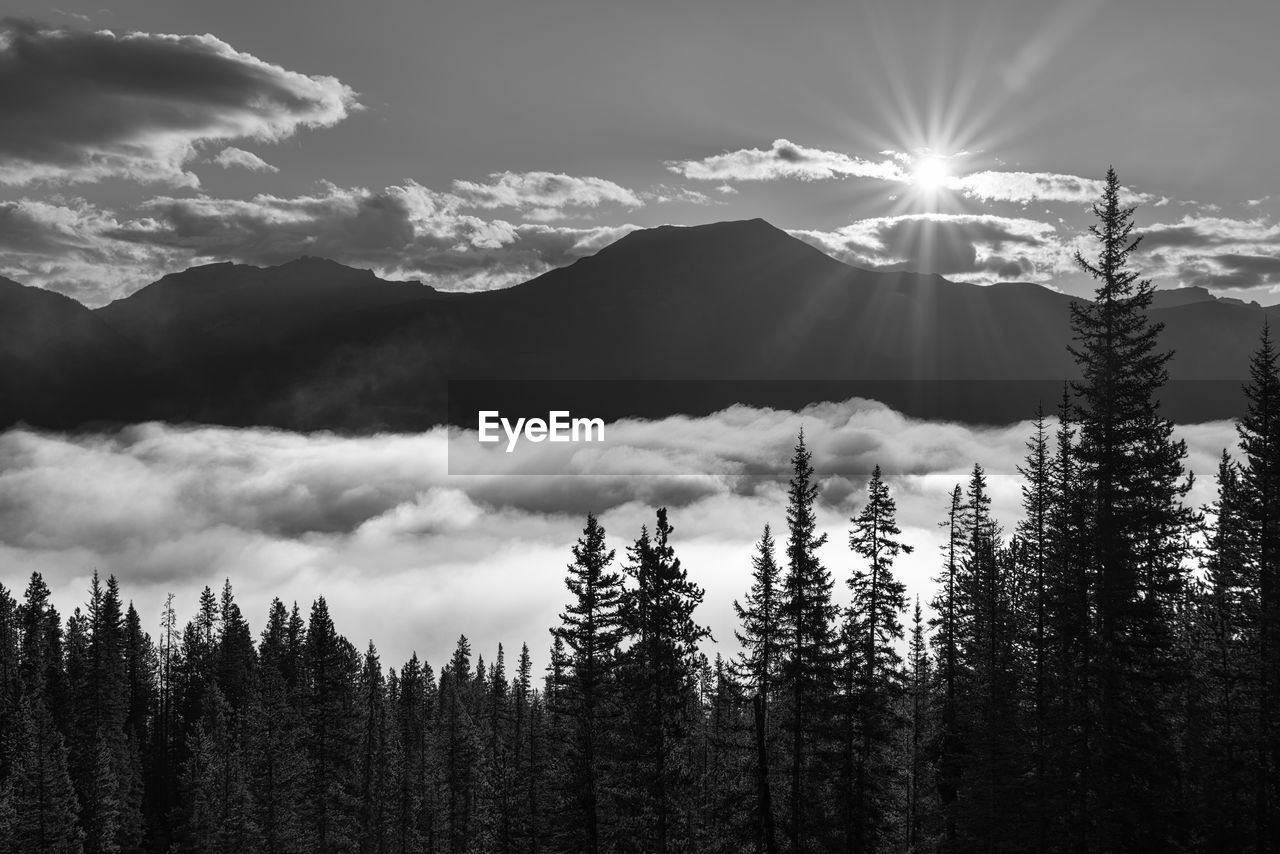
[
  {"x": 590, "y": 632},
  {"x": 809, "y": 657},
  {"x": 1221, "y": 713},
  {"x": 1136, "y": 536},
  {"x": 10, "y": 680},
  {"x": 948, "y": 625},
  {"x": 330, "y": 735},
  {"x": 873, "y": 634},
  {"x": 459, "y": 748},
  {"x": 40, "y": 799},
  {"x": 1259, "y": 432},
  {"x": 659, "y": 671},
  {"x": 919, "y": 796},
  {"x": 1038, "y": 498},
  {"x": 757, "y": 663},
  {"x": 274, "y": 737},
  {"x": 989, "y": 687}
]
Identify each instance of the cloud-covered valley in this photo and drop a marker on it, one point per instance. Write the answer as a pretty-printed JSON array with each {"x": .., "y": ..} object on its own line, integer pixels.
[{"x": 411, "y": 556}]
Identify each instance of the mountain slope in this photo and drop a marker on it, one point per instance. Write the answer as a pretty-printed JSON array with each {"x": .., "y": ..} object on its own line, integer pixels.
[
  {"x": 60, "y": 364},
  {"x": 315, "y": 345}
]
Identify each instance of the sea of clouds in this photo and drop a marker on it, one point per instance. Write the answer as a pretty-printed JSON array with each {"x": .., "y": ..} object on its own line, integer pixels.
[{"x": 411, "y": 557}]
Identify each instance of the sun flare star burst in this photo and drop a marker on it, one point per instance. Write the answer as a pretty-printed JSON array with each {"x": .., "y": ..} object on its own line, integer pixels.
[{"x": 931, "y": 173}]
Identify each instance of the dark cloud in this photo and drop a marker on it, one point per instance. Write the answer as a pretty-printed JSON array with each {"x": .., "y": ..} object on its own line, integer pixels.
[
  {"x": 789, "y": 153},
  {"x": 1179, "y": 236},
  {"x": 1230, "y": 271},
  {"x": 947, "y": 244},
  {"x": 82, "y": 106},
  {"x": 1009, "y": 269},
  {"x": 1207, "y": 231},
  {"x": 355, "y": 226}
]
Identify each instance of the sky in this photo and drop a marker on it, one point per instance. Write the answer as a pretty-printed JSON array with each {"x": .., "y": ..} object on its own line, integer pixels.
[{"x": 474, "y": 145}]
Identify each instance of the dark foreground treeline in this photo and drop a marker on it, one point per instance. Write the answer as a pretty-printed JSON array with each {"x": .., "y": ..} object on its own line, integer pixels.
[{"x": 1104, "y": 677}]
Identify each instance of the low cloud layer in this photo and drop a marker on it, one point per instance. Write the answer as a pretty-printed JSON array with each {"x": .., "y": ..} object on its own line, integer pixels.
[
  {"x": 411, "y": 557},
  {"x": 81, "y": 106}
]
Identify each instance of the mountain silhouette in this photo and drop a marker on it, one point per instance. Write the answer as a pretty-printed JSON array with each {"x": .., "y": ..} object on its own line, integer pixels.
[{"x": 665, "y": 320}]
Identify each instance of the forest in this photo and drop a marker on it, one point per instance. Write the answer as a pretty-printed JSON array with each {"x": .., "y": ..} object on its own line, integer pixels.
[{"x": 1100, "y": 676}]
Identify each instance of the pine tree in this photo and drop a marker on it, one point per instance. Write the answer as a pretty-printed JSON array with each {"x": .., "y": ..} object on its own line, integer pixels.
[
  {"x": 1223, "y": 696},
  {"x": 40, "y": 652},
  {"x": 590, "y": 630},
  {"x": 459, "y": 747},
  {"x": 809, "y": 654},
  {"x": 1034, "y": 533},
  {"x": 988, "y": 694},
  {"x": 330, "y": 734},
  {"x": 874, "y": 631},
  {"x": 523, "y": 742},
  {"x": 236, "y": 659},
  {"x": 659, "y": 675},
  {"x": 220, "y": 814},
  {"x": 1259, "y": 432},
  {"x": 10, "y": 680},
  {"x": 1136, "y": 525},
  {"x": 760, "y": 638},
  {"x": 759, "y": 635},
  {"x": 273, "y": 733},
  {"x": 42, "y": 801},
  {"x": 920, "y": 678},
  {"x": 377, "y": 758},
  {"x": 948, "y": 627}
]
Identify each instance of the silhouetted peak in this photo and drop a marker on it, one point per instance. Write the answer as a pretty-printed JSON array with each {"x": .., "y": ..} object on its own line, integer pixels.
[
  {"x": 1171, "y": 297},
  {"x": 742, "y": 230},
  {"x": 318, "y": 265}
]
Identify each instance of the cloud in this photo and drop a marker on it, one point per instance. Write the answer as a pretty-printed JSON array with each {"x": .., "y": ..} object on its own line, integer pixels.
[
  {"x": 1230, "y": 271},
  {"x": 665, "y": 194},
  {"x": 1202, "y": 231},
  {"x": 232, "y": 156},
  {"x": 405, "y": 231},
  {"x": 1027, "y": 187},
  {"x": 376, "y": 519},
  {"x": 993, "y": 247},
  {"x": 82, "y": 106},
  {"x": 1216, "y": 252},
  {"x": 784, "y": 159},
  {"x": 64, "y": 247},
  {"x": 543, "y": 192}
]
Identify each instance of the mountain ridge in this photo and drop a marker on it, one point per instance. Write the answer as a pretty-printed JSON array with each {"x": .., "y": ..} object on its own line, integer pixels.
[{"x": 314, "y": 344}]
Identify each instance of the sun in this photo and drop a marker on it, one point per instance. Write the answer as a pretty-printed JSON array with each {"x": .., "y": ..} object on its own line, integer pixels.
[{"x": 930, "y": 173}]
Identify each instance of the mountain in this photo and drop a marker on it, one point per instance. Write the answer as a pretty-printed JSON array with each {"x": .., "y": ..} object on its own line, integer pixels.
[
  {"x": 665, "y": 320},
  {"x": 62, "y": 365}
]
